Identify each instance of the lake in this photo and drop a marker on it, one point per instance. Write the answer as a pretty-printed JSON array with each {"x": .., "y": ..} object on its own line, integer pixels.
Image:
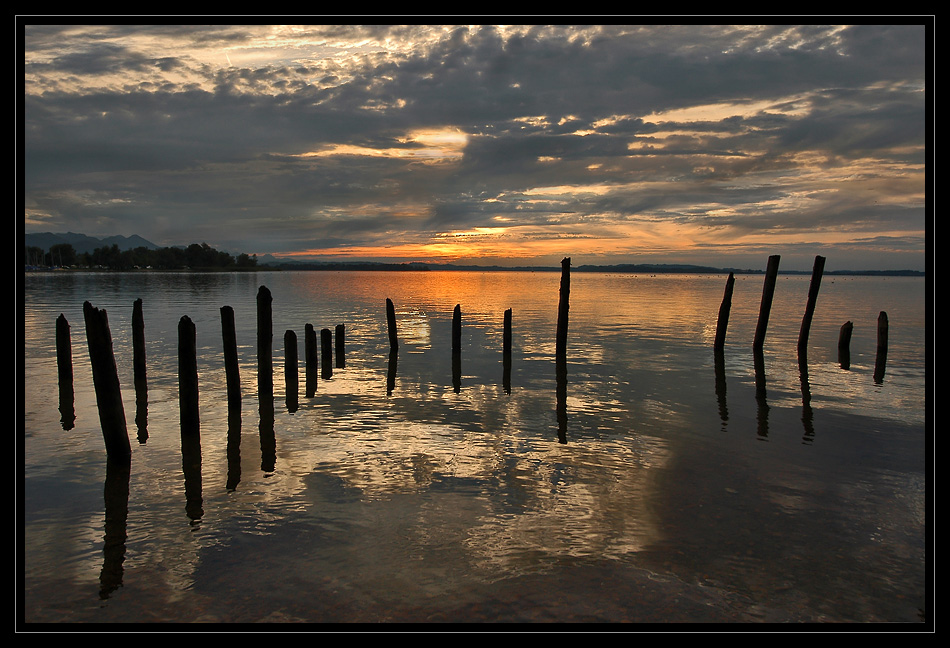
[{"x": 661, "y": 487}]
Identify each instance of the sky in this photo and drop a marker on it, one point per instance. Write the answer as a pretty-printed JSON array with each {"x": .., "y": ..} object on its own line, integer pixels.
[{"x": 486, "y": 144}]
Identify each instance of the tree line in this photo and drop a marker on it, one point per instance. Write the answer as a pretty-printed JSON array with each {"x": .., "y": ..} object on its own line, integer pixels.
[{"x": 194, "y": 257}]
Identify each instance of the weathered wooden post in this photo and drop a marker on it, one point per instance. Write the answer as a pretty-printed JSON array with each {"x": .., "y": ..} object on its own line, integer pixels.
[
  {"x": 187, "y": 378},
  {"x": 506, "y": 352},
  {"x": 881, "y": 358},
  {"x": 310, "y": 359},
  {"x": 64, "y": 363},
  {"x": 768, "y": 291},
  {"x": 457, "y": 328},
  {"x": 106, "y": 380},
  {"x": 290, "y": 370},
  {"x": 340, "y": 346},
  {"x": 391, "y": 323},
  {"x": 560, "y": 353},
  {"x": 844, "y": 345},
  {"x": 724, "y": 309},
  {"x": 138, "y": 347},
  {"x": 265, "y": 341},
  {"x": 813, "y": 287},
  {"x": 326, "y": 353},
  {"x": 139, "y": 372},
  {"x": 232, "y": 370}
]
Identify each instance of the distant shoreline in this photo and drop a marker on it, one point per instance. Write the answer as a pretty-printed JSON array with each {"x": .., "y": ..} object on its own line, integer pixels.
[{"x": 422, "y": 267}]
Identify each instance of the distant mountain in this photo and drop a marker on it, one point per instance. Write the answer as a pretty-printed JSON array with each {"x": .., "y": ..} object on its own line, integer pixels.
[{"x": 83, "y": 243}]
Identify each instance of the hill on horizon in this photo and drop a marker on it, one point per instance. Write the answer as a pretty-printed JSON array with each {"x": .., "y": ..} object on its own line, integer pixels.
[{"x": 84, "y": 243}]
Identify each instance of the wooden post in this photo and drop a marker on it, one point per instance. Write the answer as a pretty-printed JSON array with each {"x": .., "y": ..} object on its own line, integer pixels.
[
  {"x": 506, "y": 353},
  {"x": 326, "y": 353},
  {"x": 768, "y": 291},
  {"x": 844, "y": 345},
  {"x": 391, "y": 324},
  {"x": 310, "y": 359},
  {"x": 724, "y": 309},
  {"x": 881, "y": 358},
  {"x": 265, "y": 341},
  {"x": 562, "y": 312},
  {"x": 813, "y": 287},
  {"x": 231, "y": 368},
  {"x": 290, "y": 370},
  {"x": 138, "y": 346},
  {"x": 340, "y": 346},
  {"x": 106, "y": 380},
  {"x": 187, "y": 378},
  {"x": 457, "y": 328},
  {"x": 64, "y": 363}
]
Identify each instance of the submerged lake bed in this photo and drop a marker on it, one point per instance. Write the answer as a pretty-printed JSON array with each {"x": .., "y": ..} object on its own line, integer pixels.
[{"x": 665, "y": 487}]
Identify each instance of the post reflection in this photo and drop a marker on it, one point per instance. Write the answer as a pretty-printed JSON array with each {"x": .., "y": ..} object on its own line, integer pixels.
[
  {"x": 720, "y": 364},
  {"x": 234, "y": 449},
  {"x": 116, "y": 495},
  {"x": 762, "y": 411},
  {"x": 807, "y": 413},
  {"x": 191, "y": 467}
]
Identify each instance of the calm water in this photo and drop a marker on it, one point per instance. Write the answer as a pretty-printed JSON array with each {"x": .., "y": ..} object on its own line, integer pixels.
[{"x": 681, "y": 494}]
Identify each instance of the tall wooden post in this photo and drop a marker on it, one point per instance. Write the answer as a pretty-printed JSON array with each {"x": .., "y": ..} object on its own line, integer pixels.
[
  {"x": 231, "y": 368},
  {"x": 457, "y": 328},
  {"x": 138, "y": 346},
  {"x": 506, "y": 353},
  {"x": 64, "y": 363},
  {"x": 326, "y": 353},
  {"x": 768, "y": 291},
  {"x": 813, "y": 287},
  {"x": 290, "y": 370},
  {"x": 881, "y": 358},
  {"x": 187, "y": 378},
  {"x": 265, "y": 351},
  {"x": 106, "y": 380},
  {"x": 391, "y": 324},
  {"x": 310, "y": 359},
  {"x": 724, "y": 309},
  {"x": 560, "y": 353}
]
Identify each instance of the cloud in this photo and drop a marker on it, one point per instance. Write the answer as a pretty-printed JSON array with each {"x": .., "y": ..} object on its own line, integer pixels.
[{"x": 279, "y": 139}]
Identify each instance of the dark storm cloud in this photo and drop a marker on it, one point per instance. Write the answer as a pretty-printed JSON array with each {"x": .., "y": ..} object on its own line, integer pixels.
[{"x": 262, "y": 138}]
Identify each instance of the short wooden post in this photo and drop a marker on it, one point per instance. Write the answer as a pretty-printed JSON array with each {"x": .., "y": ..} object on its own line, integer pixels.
[
  {"x": 391, "y": 324},
  {"x": 106, "y": 380},
  {"x": 813, "y": 287},
  {"x": 310, "y": 359},
  {"x": 138, "y": 347},
  {"x": 880, "y": 360},
  {"x": 340, "y": 346},
  {"x": 457, "y": 328},
  {"x": 768, "y": 291},
  {"x": 290, "y": 370},
  {"x": 64, "y": 363},
  {"x": 844, "y": 345},
  {"x": 326, "y": 353},
  {"x": 724, "y": 309},
  {"x": 506, "y": 352},
  {"x": 265, "y": 343},
  {"x": 231, "y": 368},
  {"x": 187, "y": 378}
]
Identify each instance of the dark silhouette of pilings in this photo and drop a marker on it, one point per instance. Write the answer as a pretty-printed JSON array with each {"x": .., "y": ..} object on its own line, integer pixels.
[
  {"x": 106, "y": 380},
  {"x": 506, "y": 352},
  {"x": 560, "y": 348},
  {"x": 844, "y": 345},
  {"x": 290, "y": 371},
  {"x": 881, "y": 357},
  {"x": 231, "y": 367},
  {"x": 768, "y": 290},
  {"x": 340, "y": 345},
  {"x": 187, "y": 378},
  {"x": 326, "y": 354},
  {"x": 391, "y": 324},
  {"x": 310, "y": 360},
  {"x": 139, "y": 371},
  {"x": 724, "y": 308},
  {"x": 391, "y": 372},
  {"x": 64, "y": 364},
  {"x": 265, "y": 379},
  {"x": 457, "y": 348},
  {"x": 813, "y": 287}
]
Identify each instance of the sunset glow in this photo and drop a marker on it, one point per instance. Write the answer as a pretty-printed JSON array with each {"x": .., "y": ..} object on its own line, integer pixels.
[{"x": 507, "y": 145}]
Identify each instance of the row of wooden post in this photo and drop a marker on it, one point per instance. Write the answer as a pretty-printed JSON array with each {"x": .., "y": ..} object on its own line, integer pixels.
[{"x": 109, "y": 401}]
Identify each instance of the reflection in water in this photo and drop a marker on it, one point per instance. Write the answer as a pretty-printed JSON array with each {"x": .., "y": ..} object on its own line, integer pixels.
[
  {"x": 391, "y": 371},
  {"x": 807, "y": 413},
  {"x": 720, "y": 362},
  {"x": 234, "y": 448},
  {"x": 191, "y": 467},
  {"x": 762, "y": 411},
  {"x": 116, "y": 495}
]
